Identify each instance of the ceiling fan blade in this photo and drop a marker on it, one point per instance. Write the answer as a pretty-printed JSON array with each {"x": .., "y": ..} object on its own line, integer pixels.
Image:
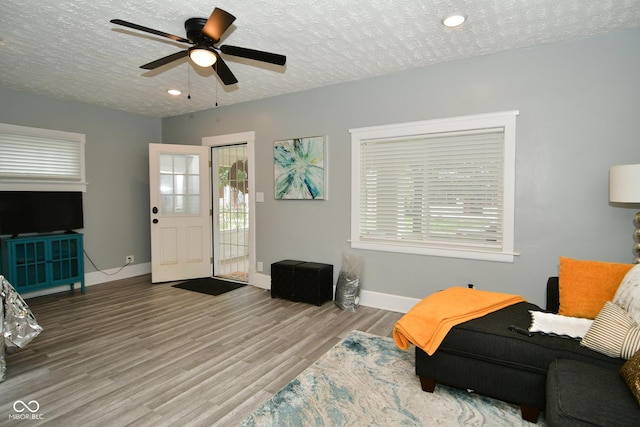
[
  {"x": 258, "y": 55},
  {"x": 217, "y": 24},
  {"x": 167, "y": 59},
  {"x": 149, "y": 30},
  {"x": 223, "y": 71}
]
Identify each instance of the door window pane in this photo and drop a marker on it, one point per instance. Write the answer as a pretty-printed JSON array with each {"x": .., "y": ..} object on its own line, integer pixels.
[
  {"x": 166, "y": 184},
  {"x": 193, "y": 185},
  {"x": 193, "y": 164},
  {"x": 193, "y": 206},
  {"x": 179, "y": 184},
  {"x": 166, "y": 163},
  {"x": 179, "y": 163}
]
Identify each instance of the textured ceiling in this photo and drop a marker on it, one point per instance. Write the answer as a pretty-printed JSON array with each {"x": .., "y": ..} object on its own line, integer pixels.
[{"x": 69, "y": 49}]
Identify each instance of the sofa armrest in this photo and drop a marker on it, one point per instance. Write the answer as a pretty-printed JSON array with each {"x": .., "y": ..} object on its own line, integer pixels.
[{"x": 553, "y": 294}]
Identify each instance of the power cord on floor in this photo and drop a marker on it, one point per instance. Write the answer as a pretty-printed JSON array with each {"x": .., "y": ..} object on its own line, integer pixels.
[{"x": 102, "y": 271}]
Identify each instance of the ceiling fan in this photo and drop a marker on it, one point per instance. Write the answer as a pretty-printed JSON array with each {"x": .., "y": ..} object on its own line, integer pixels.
[{"x": 203, "y": 34}]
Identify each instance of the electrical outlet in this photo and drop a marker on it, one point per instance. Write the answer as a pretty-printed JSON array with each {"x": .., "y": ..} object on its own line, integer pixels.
[
  {"x": 260, "y": 266},
  {"x": 129, "y": 259}
]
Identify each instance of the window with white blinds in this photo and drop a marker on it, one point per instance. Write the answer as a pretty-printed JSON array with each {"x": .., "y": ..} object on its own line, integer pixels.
[
  {"x": 41, "y": 159},
  {"x": 441, "y": 187}
]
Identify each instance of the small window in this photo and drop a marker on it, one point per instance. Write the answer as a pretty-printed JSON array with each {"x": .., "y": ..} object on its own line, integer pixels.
[
  {"x": 41, "y": 159},
  {"x": 437, "y": 187}
]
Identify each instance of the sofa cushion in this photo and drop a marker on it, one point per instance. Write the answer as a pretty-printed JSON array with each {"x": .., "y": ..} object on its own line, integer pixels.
[
  {"x": 630, "y": 372},
  {"x": 581, "y": 394},
  {"x": 628, "y": 294},
  {"x": 489, "y": 338},
  {"x": 586, "y": 285},
  {"x": 613, "y": 333}
]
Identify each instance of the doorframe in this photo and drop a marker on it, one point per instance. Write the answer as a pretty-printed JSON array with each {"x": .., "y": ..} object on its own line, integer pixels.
[{"x": 248, "y": 138}]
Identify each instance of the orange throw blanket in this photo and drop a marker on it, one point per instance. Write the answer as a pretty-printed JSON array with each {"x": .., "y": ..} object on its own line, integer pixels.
[{"x": 429, "y": 321}]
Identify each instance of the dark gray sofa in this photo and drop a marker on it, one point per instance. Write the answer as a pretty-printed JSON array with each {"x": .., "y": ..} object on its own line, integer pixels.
[
  {"x": 486, "y": 356},
  {"x": 582, "y": 394}
]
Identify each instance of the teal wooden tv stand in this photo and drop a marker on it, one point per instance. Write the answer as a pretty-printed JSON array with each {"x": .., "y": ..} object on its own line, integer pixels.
[{"x": 42, "y": 261}]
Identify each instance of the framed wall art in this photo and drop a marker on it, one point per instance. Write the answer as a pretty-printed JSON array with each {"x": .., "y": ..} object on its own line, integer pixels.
[{"x": 299, "y": 168}]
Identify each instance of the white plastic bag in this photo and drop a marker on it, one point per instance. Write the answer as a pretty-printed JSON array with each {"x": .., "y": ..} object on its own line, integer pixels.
[{"x": 349, "y": 282}]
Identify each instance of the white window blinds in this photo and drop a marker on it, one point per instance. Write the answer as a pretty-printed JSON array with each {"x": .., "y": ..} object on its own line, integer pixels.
[
  {"x": 445, "y": 190},
  {"x": 41, "y": 159}
]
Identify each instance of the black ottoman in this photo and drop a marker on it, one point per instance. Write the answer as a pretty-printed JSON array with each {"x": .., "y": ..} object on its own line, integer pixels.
[
  {"x": 300, "y": 281},
  {"x": 581, "y": 394},
  {"x": 313, "y": 283},
  {"x": 282, "y": 278}
]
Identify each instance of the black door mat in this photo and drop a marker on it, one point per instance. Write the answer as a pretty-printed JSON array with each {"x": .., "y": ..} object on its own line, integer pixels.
[{"x": 209, "y": 285}]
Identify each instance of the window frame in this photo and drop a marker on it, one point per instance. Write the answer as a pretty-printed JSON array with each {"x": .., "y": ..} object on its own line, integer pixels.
[
  {"x": 505, "y": 120},
  {"x": 36, "y": 182}
]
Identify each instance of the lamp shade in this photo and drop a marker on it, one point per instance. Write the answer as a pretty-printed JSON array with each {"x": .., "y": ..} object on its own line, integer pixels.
[{"x": 624, "y": 184}]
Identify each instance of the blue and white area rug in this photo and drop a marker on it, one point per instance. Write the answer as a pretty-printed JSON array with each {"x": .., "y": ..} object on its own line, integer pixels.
[{"x": 365, "y": 380}]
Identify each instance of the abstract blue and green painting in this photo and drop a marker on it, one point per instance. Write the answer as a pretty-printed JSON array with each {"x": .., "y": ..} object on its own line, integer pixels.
[{"x": 299, "y": 168}]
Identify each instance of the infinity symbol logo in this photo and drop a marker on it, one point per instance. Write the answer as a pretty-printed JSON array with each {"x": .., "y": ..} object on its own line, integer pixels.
[{"x": 28, "y": 406}]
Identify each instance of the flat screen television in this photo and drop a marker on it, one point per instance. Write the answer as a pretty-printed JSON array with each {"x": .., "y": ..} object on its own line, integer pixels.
[{"x": 23, "y": 212}]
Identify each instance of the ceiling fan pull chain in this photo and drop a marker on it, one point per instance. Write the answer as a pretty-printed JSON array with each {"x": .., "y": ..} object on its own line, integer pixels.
[
  {"x": 215, "y": 68},
  {"x": 188, "y": 81}
]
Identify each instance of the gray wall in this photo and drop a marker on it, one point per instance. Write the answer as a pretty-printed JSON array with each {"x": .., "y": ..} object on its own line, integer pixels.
[
  {"x": 116, "y": 204},
  {"x": 579, "y": 108}
]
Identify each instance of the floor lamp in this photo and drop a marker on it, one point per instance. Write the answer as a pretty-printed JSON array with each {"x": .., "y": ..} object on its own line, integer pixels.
[{"x": 624, "y": 187}]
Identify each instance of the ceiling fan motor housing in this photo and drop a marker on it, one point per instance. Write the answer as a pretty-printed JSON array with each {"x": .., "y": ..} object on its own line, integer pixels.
[{"x": 194, "y": 28}]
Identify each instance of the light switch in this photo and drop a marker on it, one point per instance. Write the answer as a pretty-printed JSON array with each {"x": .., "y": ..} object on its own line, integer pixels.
[{"x": 259, "y": 197}]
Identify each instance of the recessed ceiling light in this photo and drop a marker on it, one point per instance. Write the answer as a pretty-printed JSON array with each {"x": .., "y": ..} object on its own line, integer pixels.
[
  {"x": 453, "y": 20},
  {"x": 174, "y": 92}
]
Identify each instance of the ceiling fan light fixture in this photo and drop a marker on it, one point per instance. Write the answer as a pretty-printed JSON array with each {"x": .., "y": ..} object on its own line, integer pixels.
[
  {"x": 174, "y": 92},
  {"x": 453, "y": 20},
  {"x": 202, "y": 56}
]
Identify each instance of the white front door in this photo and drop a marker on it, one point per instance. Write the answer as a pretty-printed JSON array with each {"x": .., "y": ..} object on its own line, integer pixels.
[{"x": 180, "y": 197}]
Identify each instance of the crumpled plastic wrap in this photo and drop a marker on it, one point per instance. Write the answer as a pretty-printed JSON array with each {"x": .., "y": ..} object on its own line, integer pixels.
[
  {"x": 349, "y": 282},
  {"x": 3, "y": 364},
  {"x": 19, "y": 326}
]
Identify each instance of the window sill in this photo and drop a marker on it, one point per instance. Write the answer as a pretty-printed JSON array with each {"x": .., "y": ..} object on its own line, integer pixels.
[{"x": 434, "y": 251}]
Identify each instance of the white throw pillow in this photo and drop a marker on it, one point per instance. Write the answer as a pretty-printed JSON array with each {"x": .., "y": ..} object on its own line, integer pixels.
[
  {"x": 557, "y": 324},
  {"x": 628, "y": 294}
]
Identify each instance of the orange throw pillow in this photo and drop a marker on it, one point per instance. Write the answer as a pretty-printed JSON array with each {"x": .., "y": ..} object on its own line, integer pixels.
[{"x": 586, "y": 285}]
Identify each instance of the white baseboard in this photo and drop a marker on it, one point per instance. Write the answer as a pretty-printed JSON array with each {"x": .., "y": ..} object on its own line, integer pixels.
[
  {"x": 388, "y": 302},
  {"x": 133, "y": 270},
  {"x": 372, "y": 299},
  {"x": 261, "y": 280},
  {"x": 97, "y": 277}
]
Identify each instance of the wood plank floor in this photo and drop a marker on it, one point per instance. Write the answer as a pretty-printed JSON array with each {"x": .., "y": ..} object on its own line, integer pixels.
[{"x": 134, "y": 353}]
